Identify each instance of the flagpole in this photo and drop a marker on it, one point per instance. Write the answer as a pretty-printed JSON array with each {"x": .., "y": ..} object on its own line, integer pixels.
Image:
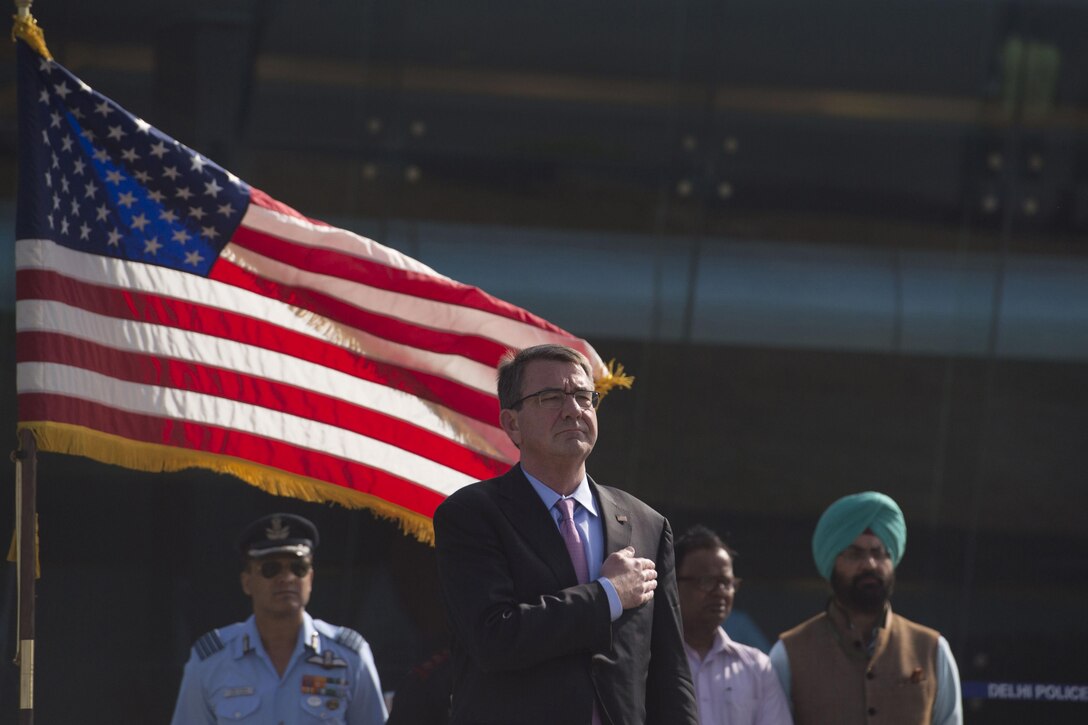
[
  {"x": 26, "y": 530},
  {"x": 26, "y": 458}
]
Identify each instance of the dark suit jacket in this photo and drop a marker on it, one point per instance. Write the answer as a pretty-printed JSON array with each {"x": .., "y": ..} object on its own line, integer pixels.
[{"x": 530, "y": 644}]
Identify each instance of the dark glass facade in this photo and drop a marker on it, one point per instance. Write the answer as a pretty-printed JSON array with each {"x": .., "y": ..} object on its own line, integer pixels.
[{"x": 842, "y": 245}]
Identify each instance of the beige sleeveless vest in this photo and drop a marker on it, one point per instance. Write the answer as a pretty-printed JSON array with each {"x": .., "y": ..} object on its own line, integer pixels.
[{"x": 833, "y": 681}]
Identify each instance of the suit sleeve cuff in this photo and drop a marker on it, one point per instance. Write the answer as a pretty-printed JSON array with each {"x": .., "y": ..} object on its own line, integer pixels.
[{"x": 615, "y": 608}]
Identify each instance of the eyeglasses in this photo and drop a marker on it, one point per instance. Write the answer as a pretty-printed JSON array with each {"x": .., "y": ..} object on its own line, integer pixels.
[
  {"x": 553, "y": 398},
  {"x": 710, "y": 583},
  {"x": 856, "y": 554},
  {"x": 272, "y": 569}
]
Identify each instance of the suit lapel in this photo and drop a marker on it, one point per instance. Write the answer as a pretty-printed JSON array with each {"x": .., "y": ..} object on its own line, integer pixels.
[
  {"x": 616, "y": 520},
  {"x": 534, "y": 524}
]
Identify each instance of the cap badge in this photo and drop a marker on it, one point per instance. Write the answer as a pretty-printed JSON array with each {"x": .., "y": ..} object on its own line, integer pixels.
[{"x": 277, "y": 531}]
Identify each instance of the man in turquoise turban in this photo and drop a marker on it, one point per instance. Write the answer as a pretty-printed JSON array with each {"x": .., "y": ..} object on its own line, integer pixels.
[{"x": 858, "y": 660}]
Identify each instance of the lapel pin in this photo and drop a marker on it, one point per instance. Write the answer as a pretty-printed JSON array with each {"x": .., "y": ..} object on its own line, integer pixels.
[{"x": 621, "y": 518}]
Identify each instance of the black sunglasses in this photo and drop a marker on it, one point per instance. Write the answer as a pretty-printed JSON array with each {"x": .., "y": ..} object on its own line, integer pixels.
[{"x": 272, "y": 569}]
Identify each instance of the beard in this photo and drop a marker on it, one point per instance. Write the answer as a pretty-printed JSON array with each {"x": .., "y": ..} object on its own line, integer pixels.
[{"x": 866, "y": 593}]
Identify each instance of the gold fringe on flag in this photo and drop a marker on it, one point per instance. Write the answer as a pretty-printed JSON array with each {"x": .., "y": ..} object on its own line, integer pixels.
[
  {"x": 26, "y": 28},
  {"x": 13, "y": 549},
  {"x": 106, "y": 448},
  {"x": 614, "y": 378}
]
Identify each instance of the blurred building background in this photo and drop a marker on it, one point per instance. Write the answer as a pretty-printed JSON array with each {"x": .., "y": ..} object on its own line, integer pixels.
[{"x": 843, "y": 245}]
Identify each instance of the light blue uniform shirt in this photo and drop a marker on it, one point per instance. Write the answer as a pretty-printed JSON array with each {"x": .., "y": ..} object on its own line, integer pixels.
[
  {"x": 331, "y": 678},
  {"x": 590, "y": 529}
]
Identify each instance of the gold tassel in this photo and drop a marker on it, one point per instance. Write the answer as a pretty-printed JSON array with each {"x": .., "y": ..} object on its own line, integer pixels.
[
  {"x": 27, "y": 29},
  {"x": 614, "y": 378},
  {"x": 13, "y": 550}
]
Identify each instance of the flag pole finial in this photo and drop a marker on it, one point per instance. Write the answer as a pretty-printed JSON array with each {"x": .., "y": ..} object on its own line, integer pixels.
[{"x": 26, "y": 28}]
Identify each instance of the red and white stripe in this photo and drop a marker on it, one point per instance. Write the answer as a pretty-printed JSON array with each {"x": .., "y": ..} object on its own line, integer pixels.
[{"x": 308, "y": 350}]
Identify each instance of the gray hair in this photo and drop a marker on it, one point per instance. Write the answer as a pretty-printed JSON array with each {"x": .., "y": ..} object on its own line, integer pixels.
[{"x": 512, "y": 368}]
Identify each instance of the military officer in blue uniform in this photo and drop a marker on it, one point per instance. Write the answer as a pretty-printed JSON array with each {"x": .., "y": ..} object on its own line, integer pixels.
[{"x": 281, "y": 666}]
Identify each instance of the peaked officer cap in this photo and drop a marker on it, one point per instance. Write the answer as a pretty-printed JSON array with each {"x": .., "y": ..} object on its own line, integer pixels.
[{"x": 278, "y": 534}]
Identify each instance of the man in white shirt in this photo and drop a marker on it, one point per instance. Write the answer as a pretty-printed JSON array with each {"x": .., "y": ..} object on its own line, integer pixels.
[{"x": 734, "y": 683}]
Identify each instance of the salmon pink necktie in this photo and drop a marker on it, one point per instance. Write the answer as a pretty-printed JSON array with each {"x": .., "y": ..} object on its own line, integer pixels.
[{"x": 571, "y": 538}]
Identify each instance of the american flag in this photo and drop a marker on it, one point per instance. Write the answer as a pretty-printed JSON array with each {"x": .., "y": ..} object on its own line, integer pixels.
[{"x": 170, "y": 316}]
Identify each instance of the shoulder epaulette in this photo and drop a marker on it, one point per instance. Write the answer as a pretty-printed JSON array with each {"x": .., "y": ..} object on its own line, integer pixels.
[
  {"x": 350, "y": 639},
  {"x": 209, "y": 644}
]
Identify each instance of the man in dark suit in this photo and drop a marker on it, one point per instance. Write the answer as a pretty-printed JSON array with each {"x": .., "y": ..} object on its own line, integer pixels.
[{"x": 561, "y": 593}]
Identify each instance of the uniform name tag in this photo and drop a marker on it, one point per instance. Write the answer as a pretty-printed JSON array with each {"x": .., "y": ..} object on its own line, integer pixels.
[{"x": 238, "y": 691}]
